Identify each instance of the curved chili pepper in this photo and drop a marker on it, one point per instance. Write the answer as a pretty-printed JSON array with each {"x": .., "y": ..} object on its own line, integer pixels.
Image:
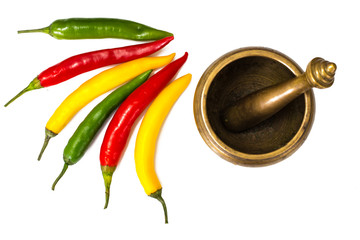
[
  {"x": 119, "y": 128},
  {"x": 96, "y": 86},
  {"x": 85, "y": 62},
  {"x": 147, "y": 137},
  {"x": 91, "y": 28},
  {"x": 88, "y": 128}
]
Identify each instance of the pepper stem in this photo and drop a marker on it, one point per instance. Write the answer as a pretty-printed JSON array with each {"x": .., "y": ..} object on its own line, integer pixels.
[
  {"x": 34, "y": 84},
  {"x": 157, "y": 195},
  {"x": 48, "y": 134},
  {"x": 107, "y": 181},
  {"x": 60, "y": 176},
  {"x": 43, "y": 30},
  {"x": 107, "y": 173}
]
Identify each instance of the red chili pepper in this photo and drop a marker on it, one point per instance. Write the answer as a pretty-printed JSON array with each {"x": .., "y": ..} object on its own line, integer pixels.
[
  {"x": 119, "y": 128},
  {"x": 85, "y": 62}
]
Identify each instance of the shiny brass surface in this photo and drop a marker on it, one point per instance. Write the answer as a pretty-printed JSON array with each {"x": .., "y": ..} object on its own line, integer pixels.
[
  {"x": 262, "y": 104},
  {"x": 236, "y": 75}
]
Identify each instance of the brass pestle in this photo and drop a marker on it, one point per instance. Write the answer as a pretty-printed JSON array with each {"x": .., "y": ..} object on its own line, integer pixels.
[{"x": 261, "y": 105}]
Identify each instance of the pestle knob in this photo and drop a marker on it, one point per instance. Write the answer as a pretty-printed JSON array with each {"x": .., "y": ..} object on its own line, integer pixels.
[{"x": 260, "y": 105}]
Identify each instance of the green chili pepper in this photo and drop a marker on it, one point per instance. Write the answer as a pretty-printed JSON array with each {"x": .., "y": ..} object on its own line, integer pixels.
[
  {"x": 88, "y": 128},
  {"x": 90, "y": 28}
]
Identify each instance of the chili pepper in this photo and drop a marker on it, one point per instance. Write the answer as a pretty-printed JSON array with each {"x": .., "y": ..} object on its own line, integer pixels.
[
  {"x": 88, "y": 128},
  {"x": 85, "y": 62},
  {"x": 96, "y": 86},
  {"x": 147, "y": 136},
  {"x": 92, "y": 28},
  {"x": 120, "y": 126}
]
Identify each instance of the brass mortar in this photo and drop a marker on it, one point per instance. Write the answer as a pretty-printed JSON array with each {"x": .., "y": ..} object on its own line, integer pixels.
[{"x": 242, "y": 72}]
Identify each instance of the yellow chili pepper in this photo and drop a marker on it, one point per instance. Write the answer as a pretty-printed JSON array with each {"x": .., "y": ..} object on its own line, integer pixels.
[
  {"x": 96, "y": 86},
  {"x": 147, "y": 137}
]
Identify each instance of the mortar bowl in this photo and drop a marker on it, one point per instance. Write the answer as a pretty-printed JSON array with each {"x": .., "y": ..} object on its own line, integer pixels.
[{"x": 235, "y": 75}]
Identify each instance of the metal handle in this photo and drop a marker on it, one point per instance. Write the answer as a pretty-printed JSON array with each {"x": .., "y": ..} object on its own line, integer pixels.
[{"x": 259, "y": 106}]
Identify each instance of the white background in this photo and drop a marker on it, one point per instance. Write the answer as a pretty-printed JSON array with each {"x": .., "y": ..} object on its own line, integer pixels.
[{"x": 314, "y": 194}]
